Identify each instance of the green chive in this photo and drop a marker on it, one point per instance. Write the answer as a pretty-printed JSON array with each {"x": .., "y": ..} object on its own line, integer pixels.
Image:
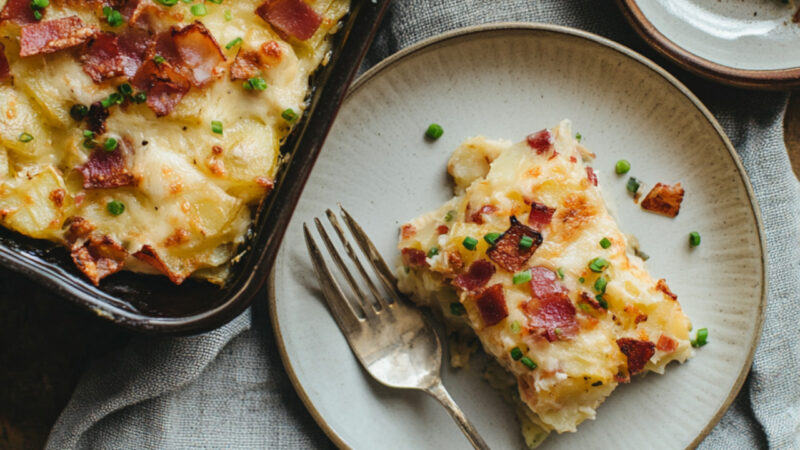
[
  {"x": 40, "y": 4},
  {"x": 585, "y": 307},
  {"x": 88, "y": 134},
  {"x": 701, "y": 339},
  {"x": 158, "y": 59},
  {"x": 110, "y": 144},
  {"x": 125, "y": 89},
  {"x": 694, "y": 238},
  {"x": 216, "y": 2},
  {"x": 527, "y": 362},
  {"x": 491, "y": 238},
  {"x": 433, "y": 252},
  {"x": 255, "y": 84},
  {"x": 560, "y": 273},
  {"x": 450, "y": 215},
  {"x": 167, "y": 2},
  {"x": 228, "y": 15},
  {"x": 199, "y": 10},
  {"x": 470, "y": 243},
  {"x": 457, "y": 309},
  {"x": 37, "y": 15},
  {"x": 78, "y": 112},
  {"x": 140, "y": 97},
  {"x": 25, "y": 137},
  {"x": 601, "y": 300},
  {"x": 515, "y": 326},
  {"x": 641, "y": 254},
  {"x": 598, "y": 264},
  {"x": 600, "y": 285},
  {"x": 581, "y": 280},
  {"x": 522, "y": 277},
  {"x": 216, "y": 126},
  {"x": 115, "y": 207},
  {"x": 622, "y": 167},
  {"x": 633, "y": 185},
  {"x": 434, "y": 131},
  {"x": 113, "y": 99},
  {"x": 525, "y": 242},
  {"x": 289, "y": 115},
  {"x": 605, "y": 243},
  {"x": 516, "y": 353},
  {"x": 114, "y": 18},
  {"x": 578, "y": 136},
  {"x": 233, "y": 43}
]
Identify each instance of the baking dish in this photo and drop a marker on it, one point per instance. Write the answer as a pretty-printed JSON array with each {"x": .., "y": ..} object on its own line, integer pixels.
[{"x": 151, "y": 303}]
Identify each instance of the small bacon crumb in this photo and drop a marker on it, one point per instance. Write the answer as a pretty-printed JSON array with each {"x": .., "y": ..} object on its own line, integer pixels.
[
  {"x": 541, "y": 141},
  {"x": 664, "y": 199},
  {"x": 478, "y": 274},
  {"x": 413, "y": 257},
  {"x": 637, "y": 352},
  {"x": 591, "y": 175},
  {"x": 5, "y": 71},
  {"x": 442, "y": 229},
  {"x": 407, "y": 231},
  {"x": 666, "y": 344},
  {"x": 663, "y": 287},
  {"x": 540, "y": 216},
  {"x": 491, "y": 304}
]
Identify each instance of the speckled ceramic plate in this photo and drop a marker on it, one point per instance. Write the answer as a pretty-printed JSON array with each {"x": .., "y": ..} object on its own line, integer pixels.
[
  {"x": 751, "y": 43},
  {"x": 504, "y": 81}
]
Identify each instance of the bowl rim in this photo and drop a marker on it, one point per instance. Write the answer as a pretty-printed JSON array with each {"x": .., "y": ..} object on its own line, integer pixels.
[
  {"x": 771, "y": 79},
  {"x": 475, "y": 30}
]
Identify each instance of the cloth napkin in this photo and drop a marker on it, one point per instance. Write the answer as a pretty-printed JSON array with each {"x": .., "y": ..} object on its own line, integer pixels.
[{"x": 228, "y": 388}]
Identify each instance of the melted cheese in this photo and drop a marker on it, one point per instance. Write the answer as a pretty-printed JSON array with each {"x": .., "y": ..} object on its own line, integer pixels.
[
  {"x": 186, "y": 188},
  {"x": 575, "y": 373}
]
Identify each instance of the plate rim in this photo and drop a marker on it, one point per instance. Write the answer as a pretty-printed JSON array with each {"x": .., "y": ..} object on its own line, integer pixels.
[
  {"x": 558, "y": 29},
  {"x": 771, "y": 79}
]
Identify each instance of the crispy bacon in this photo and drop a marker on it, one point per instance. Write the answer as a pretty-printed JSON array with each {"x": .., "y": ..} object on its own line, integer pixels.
[
  {"x": 408, "y": 231},
  {"x": 96, "y": 119},
  {"x": 106, "y": 170},
  {"x": 545, "y": 285},
  {"x": 78, "y": 229},
  {"x": 149, "y": 255},
  {"x": 589, "y": 299},
  {"x": 541, "y": 141},
  {"x": 454, "y": 261},
  {"x": 552, "y": 316},
  {"x": 476, "y": 276},
  {"x": 413, "y": 257},
  {"x": 98, "y": 258},
  {"x": 133, "y": 44},
  {"x": 540, "y": 216},
  {"x": 165, "y": 87},
  {"x": 664, "y": 199},
  {"x": 19, "y": 12},
  {"x": 491, "y": 304},
  {"x": 506, "y": 251},
  {"x": 638, "y": 353},
  {"x": 442, "y": 229},
  {"x": 103, "y": 59},
  {"x": 591, "y": 175},
  {"x": 5, "y": 72},
  {"x": 249, "y": 63},
  {"x": 477, "y": 216},
  {"x": 666, "y": 344},
  {"x": 290, "y": 17},
  {"x": 199, "y": 53},
  {"x": 663, "y": 287},
  {"x": 54, "y": 35}
]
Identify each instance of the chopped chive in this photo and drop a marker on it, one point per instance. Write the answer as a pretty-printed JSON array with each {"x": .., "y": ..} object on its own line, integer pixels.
[
  {"x": 140, "y": 97},
  {"x": 526, "y": 242},
  {"x": 605, "y": 243},
  {"x": 88, "y": 134},
  {"x": 434, "y": 131},
  {"x": 40, "y": 4},
  {"x": 694, "y": 238},
  {"x": 199, "y": 10},
  {"x": 115, "y": 207},
  {"x": 216, "y": 126},
  {"x": 25, "y": 137},
  {"x": 578, "y": 136},
  {"x": 522, "y": 277},
  {"x": 633, "y": 185},
  {"x": 470, "y": 243},
  {"x": 110, "y": 144},
  {"x": 491, "y": 238},
  {"x": 527, "y": 362},
  {"x": 515, "y": 326},
  {"x": 125, "y": 89},
  {"x": 457, "y": 309},
  {"x": 585, "y": 307},
  {"x": 228, "y": 15},
  {"x": 450, "y": 215},
  {"x": 622, "y": 167},
  {"x": 581, "y": 280},
  {"x": 167, "y": 2},
  {"x": 433, "y": 252},
  {"x": 560, "y": 273},
  {"x": 78, "y": 112},
  {"x": 598, "y": 264},
  {"x": 289, "y": 115},
  {"x": 37, "y": 15},
  {"x": 159, "y": 59},
  {"x": 601, "y": 300},
  {"x": 638, "y": 252},
  {"x": 516, "y": 354},
  {"x": 600, "y": 285},
  {"x": 701, "y": 338},
  {"x": 216, "y": 2},
  {"x": 114, "y": 18},
  {"x": 113, "y": 99},
  {"x": 255, "y": 84},
  {"x": 233, "y": 43}
]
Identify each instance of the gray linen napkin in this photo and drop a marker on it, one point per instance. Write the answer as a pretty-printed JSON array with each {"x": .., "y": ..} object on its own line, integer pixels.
[{"x": 228, "y": 389}]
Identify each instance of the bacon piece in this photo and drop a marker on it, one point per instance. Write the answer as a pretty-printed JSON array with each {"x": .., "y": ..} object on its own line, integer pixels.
[
  {"x": 477, "y": 216},
  {"x": 666, "y": 344},
  {"x": 199, "y": 53},
  {"x": 638, "y": 353},
  {"x": 408, "y": 231},
  {"x": 57, "y": 197},
  {"x": 249, "y": 63},
  {"x": 476, "y": 276},
  {"x": 103, "y": 59},
  {"x": 78, "y": 229},
  {"x": 106, "y": 170},
  {"x": 133, "y": 44},
  {"x": 541, "y": 141},
  {"x": 149, "y": 255},
  {"x": 19, "y": 12},
  {"x": 491, "y": 304},
  {"x": 663, "y": 287},
  {"x": 641, "y": 317},
  {"x": 591, "y": 301},
  {"x": 165, "y": 87},
  {"x": 506, "y": 251},
  {"x": 413, "y": 257},
  {"x": 290, "y": 17},
  {"x": 53, "y": 35},
  {"x": 540, "y": 216},
  {"x": 442, "y": 229},
  {"x": 5, "y": 71},
  {"x": 98, "y": 258},
  {"x": 591, "y": 175},
  {"x": 664, "y": 199},
  {"x": 552, "y": 316},
  {"x": 96, "y": 119},
  {"x": 454, "y": 261},
  {"x": 545, "y": 284}
]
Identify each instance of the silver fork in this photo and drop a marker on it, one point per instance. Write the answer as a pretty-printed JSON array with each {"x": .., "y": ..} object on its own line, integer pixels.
[{"x": 393, "y": 340}]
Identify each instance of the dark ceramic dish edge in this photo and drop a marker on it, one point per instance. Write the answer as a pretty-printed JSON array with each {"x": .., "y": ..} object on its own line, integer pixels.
[{"x": 149, "y": 303}]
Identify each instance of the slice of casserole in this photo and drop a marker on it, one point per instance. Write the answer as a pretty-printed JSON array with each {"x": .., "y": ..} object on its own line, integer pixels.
[{"x": 528, "y": 257}]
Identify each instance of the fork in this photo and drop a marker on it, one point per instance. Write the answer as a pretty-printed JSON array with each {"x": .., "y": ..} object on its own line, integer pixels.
[{"x": 392, "y": 340}]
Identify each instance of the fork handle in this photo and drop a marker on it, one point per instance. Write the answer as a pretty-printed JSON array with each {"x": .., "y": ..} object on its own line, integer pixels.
[{"x": 438, "y": 392}]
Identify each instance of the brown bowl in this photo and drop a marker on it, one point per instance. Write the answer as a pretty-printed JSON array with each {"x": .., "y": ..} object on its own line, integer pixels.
[{"x": 151, "y": 303}]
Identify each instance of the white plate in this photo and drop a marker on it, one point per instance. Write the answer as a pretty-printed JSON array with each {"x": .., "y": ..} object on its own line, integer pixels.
[
  {"x": 505, "y": 81},
  {"x": 746, "y": 43}
]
